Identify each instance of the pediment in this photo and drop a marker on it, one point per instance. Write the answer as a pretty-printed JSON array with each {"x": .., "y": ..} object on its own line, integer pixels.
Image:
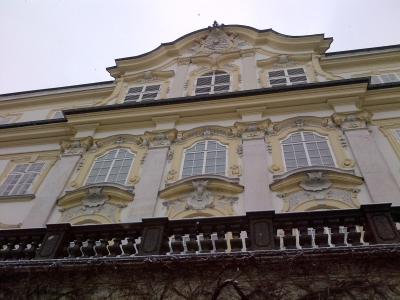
[{"x": 218, "y": 39}]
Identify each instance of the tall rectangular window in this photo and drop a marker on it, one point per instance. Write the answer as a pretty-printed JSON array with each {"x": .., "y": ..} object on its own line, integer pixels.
[{"x": 21, "y": 179}]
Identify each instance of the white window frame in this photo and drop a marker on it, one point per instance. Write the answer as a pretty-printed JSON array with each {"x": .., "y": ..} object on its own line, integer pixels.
[
  {"x": 303, "y": 142},
  {"x": 25, "y": 178},
  {"x": 384, "y": 78},
  {"x": 286, "y": 76},
  {"x": 103, "y": 158},
  {"x": 57, "y": 115},
  {"x": 213, "y": 85},
  {"x": 396, "y": 133},
  {"x": 142, "y": 92},
  {"x": 205, "y": 151}
]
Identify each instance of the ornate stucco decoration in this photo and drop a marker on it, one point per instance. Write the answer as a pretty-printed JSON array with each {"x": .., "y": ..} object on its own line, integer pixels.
[
  {"x": 300, "y": 123},
  {"x": 206, "y": 132},
  {"x": 352, "y": 121},
  {"x": 159, "y": 139},
  {"x": 117, "y": 140},
  {"x": 316, "y": 181},
  {"x": 149, "y": 76},
  {"x": 77, "y": 146},
  {"x": 217, "y": 41},
  {"x": 252, "y": 130},
  {"x": 95, "y": 203},
  {"x": 317, "y": 188},
  {"x": 207, "y": 194},
  {"x": 284, "y": 62}
]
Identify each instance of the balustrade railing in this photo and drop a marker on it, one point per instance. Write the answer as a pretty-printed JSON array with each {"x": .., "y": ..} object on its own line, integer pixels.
[{"x": 262, "y": 230}]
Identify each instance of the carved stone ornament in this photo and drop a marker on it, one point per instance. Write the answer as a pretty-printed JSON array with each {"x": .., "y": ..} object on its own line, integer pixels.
[
  {"x": 300, "y": 123},
  {"x": 159, "y": 139},
  {"x": 200, "y": 194},
  {"x": 105, "y": 201},
  {"x": 352, "y": 121},
  {"x": 94, "y": 197},
  {"x": 252, "y": 130},
  {"x": 316, "y": 181},
  {"x": 205, "y": 132},
  {"x": 323, "y": 187},
  {"x": 118, "y": 140},
  {"x": 77, "y": 146},
  {"x": 217, "y": 41},
  {"x": 283, "y": 62}
]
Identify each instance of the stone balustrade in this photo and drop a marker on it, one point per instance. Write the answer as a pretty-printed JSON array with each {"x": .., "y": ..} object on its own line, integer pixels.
[{"x": 261, "y": 230}]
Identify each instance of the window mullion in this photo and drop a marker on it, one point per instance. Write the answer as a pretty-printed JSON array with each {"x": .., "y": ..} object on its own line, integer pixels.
[
  {"x": 109, "y": 170},
  {"x": 307, "y": 155},
  {"x": 204, "y": 157}
]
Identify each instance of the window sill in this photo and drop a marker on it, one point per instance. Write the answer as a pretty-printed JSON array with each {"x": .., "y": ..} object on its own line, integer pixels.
[
  {"x": 284, "y": 175},
  {"x": 16, "y": 198}
]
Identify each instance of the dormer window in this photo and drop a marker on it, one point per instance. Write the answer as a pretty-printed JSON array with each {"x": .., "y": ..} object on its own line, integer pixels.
[
  {"x": 57, "y": 115},
  {"x": 385, "y": 78},
  {"x": 142, "y": 93},
  {"x": 4, "y": 121},
  {"x": 212, "y": 83},
  {"x": 286, "y": 77}
]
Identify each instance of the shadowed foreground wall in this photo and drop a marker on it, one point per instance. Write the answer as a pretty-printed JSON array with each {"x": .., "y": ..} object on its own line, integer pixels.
[{"x": 372, "y": 273}]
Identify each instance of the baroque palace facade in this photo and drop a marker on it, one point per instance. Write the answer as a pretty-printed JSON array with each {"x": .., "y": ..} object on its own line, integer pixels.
[{"x": 223, "y": 122}]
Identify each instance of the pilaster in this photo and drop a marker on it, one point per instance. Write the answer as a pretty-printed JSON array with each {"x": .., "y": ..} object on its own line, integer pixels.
[
  {"x": 146, "y": 190},
  {"x": 377, "y": 176},
  {"x": 180, "y": 77},
  {"x": 249, "y": 67},
  {"x": 256, "y": 177}
]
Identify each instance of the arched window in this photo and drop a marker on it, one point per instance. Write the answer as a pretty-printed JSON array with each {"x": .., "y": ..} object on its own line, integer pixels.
[
  {"x": 212, "y": 83},
  {"x": 205, "y": 157},
  {"x": 305, "y": 148},
  {"x": 113, "y": 166}
]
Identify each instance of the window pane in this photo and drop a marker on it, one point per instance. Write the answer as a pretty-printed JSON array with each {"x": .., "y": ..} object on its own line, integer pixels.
[
  {"x": 302, "y": 162},
  {"x": 296, "y": 137},
  {"x": 315, "y": 161},
  {"x": 300, "y": 154},
  {"x": 298, "y": 147}
]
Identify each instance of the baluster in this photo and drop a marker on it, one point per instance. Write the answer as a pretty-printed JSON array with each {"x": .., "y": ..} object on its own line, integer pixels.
[
  {"x": 115, "y": 248},
  {"x": 220, "y": 244},
  {"x": 336, "y": 238},
  {"x": 6, "y": 253},
  {"x": 289, "y": 241},
  {"x": 75, "y": 250},
  {"x": 236, "y": 241},
  {"x": 88, "y": 250},
  {"x": 177, "y": 245},
  {"x": 164, "y": 249},
  {"x": 305, "y": 240},
  {"x": 321, "y": 239},
  {"x": 206, "y": 243},
  {"x": 29, "y": 253},
  {"x": 192, "y": 245},
  {"x": 353, "y": 237},
  {"x": 278, "y": 236},
  {"x": 129, "y": 248},
  {"x": 16, "y": 254},
  {"x": 101, "y": 249}
]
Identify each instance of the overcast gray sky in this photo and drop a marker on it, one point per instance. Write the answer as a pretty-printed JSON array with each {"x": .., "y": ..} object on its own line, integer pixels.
[{"x": 53, "y": 43}]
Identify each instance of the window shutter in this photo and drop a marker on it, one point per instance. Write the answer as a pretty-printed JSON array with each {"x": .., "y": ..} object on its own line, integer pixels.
[
  {"x": 273, "y": 74},
  {"x": 298, "y": 71},
  {"x": 222, "y": 79},
  {"x": 204, "y": 81},
  {"x": 139, "y": 93}
]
